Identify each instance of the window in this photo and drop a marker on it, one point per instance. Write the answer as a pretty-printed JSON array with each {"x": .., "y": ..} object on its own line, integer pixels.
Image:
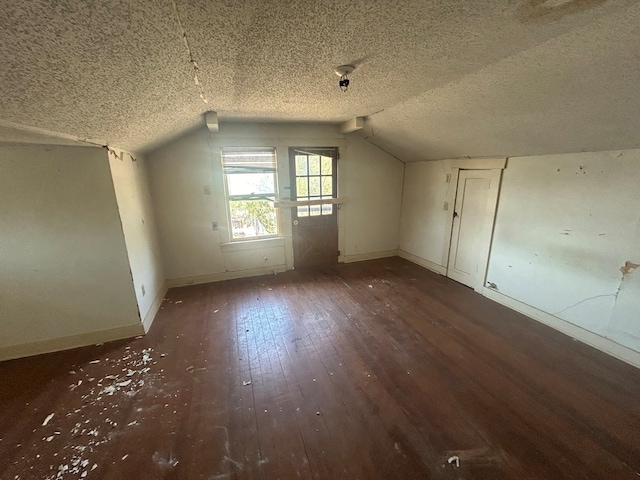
[
  {"x": 315, "y": 179},
  {"x": 250, "y": 177}
]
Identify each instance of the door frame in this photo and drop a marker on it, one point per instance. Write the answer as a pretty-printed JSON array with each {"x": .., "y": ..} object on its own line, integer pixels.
[{"x": 452, "y": 170}]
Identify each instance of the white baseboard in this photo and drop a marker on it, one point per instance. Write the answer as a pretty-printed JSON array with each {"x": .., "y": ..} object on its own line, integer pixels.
[
  {"x": 222, "y": 276},
  {"x": 69, "y": 342},
  {"x": 585, "y": 336},
  {"x": 361, "y": 257},
  {"x": 434, "y": 267},
  {"x": 155, "y": 306}
]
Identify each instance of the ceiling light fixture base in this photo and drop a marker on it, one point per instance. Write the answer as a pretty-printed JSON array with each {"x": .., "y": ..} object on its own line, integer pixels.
[{"x": 343, "y": 70}]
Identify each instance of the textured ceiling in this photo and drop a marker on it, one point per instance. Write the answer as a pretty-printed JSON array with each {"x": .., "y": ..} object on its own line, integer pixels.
[{"x": 436, "y": 78}]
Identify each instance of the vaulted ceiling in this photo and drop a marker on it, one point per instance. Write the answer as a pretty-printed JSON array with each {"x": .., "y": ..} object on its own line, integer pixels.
[{"x": 435, "y": 79}]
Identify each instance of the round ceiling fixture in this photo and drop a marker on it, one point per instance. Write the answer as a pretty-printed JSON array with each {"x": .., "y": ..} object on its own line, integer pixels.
[{"x": 342, "y": 71}]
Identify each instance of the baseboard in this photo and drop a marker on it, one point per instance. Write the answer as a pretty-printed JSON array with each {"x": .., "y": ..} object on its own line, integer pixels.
[
  {"x": 155, "y": 306},
  {"x": 361, "y": 257},
  {"x": 434, "y": 267},
  {"x": 222, "y": 276},
  {"x": 585, "y": 336},
  {"x": 69, "y": 342}
]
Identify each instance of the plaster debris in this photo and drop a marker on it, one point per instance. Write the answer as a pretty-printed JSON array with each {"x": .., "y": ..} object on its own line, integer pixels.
[
  {"x": 125, "y": 456},
  {"x": 216, "y": 311},
  {"x": 454, "y": 460},
  {"x": 94, "y": 361},
  {"x": 165, "y": 463},
  {"x": 47, "y": 420},
  {"x": 178, "y": 301},
  {"x": 190, "y": 369},
  {"x": 246, "y": 382}
]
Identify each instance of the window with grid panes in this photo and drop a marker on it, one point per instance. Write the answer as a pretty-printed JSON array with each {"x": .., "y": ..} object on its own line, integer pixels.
[{"x": 314, "y": 181}]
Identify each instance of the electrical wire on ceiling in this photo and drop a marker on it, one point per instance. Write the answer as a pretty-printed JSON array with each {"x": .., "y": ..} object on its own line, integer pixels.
[{"x": 192, "y": 61}]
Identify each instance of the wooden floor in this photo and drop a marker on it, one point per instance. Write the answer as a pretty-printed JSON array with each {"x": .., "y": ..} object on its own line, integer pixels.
[{"x": 374, "y": 370}]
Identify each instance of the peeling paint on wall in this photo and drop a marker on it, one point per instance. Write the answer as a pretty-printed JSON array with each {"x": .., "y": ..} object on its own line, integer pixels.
[{"x": 628, "y": 267}]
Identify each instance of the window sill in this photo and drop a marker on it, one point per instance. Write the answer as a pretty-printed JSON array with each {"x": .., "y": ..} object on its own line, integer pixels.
[{"x": 240, "y": 245}]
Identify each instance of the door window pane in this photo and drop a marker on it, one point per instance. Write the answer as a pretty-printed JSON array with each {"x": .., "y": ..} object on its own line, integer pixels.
[
  {"x": 314, "y": 186},
  {"x": 315, "y": 210},
  {"x": 301, "y": 165},
  {"x": 327, "y": 186},
  {"x": 302, "y": 189},
  {"x": 314, "y": 165},
  {"x": 326, "y": 165}
]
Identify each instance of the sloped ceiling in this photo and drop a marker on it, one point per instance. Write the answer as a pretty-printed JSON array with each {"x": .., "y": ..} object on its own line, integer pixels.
[{"x": 435, "y": 79}]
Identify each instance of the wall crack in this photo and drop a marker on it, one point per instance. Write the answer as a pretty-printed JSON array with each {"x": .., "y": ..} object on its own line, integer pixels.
[
  {"x": 586, "y": 300},
  {"x": 194, "y": 64}
]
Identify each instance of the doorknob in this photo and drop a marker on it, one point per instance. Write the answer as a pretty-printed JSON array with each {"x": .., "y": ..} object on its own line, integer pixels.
[
  {"x": 295, "y": 222},
  {"x": 455, "y": 214}
]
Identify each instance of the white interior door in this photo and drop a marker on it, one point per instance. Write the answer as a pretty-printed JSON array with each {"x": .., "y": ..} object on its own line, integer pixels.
[{"x": 474, "y": 214}]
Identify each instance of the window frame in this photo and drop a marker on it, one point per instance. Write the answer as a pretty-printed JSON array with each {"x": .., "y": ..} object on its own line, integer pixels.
[
  {"x": 333, "y": 154},
  {"x": 271, "y": 197}
]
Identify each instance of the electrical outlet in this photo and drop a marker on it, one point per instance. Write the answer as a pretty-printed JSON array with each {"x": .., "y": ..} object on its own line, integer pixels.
[
  {"x": 214, "y": 225},
  {"x": 446, "y": 206},
  {"x": 448, "y": 178}
]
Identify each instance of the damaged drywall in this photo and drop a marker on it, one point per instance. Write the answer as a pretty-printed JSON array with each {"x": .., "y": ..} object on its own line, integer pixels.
[
  {"x": 625, "y": 317},
  {"x": 566, "y": 240}
]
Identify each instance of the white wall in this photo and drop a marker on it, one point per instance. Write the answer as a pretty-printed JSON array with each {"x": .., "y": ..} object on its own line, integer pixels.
[
  {"x": 64, "y": 278},
  {"x": 424, "y": 221},
  {"x": 373, "y": 187},
  {"x": 129, "y": 174},
  {"x": 183, "y": 171},
  {"x": 565, "y": 226}
]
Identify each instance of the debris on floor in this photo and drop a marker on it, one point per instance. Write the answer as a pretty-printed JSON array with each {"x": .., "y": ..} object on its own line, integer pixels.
[
  {"x": 47, "y": 420},
  {"x": 454, "y": 460}
]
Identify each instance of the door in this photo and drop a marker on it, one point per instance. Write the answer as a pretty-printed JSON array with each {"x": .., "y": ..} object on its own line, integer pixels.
[
  {"x": 315, "y": 224},
  {"x": 473, "y": 217}
]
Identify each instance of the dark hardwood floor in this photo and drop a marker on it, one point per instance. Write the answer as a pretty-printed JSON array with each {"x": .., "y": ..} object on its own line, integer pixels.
[{"x": 374, "y": 370}]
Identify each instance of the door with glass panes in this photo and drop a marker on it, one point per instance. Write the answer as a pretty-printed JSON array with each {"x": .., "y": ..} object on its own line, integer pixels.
[{"x": 315, "y": 218}]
